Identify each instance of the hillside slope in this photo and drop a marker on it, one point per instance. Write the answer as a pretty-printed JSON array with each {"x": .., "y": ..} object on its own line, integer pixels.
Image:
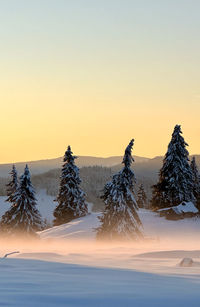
[
  {"x": 154, "y": 226},
  {"x": 41, "y": 166}
]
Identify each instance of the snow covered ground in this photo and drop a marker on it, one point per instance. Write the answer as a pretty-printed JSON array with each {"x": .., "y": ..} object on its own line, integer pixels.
[
  {"x": 83, "y": 228},
  {"x": 30, "y": 283},
  {"x": 67, "y": 267}
]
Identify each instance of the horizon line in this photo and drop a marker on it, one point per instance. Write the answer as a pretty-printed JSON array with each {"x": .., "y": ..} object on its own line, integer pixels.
[{"x": 98, "y": 157}]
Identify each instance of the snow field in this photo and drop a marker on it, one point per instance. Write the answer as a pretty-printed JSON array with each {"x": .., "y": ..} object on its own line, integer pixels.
[
  {"x": 68, "y": 268},
  {"x": 30, "y": 283}
]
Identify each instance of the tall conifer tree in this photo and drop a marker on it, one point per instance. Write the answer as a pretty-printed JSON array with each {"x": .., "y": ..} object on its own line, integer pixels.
[
  {"x": 23, "y": 217},
  {"x": 196, "y": 181},
  {"x": 175, "y": 183},
  {"x": 141, "y": 197},
  {"x": 71, "y": 199},
  {"x": 12, "y": 185},
  {"x": 120, "y": 220}
]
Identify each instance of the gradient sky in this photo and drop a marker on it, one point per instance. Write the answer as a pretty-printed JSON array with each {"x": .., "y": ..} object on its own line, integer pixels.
[{"x": 95, "y": 74}]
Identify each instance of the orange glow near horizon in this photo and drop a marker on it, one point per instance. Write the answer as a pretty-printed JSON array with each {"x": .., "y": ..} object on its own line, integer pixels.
[
  {"x": 95, "y": 76},
  {"x": 43, "y": 131}
]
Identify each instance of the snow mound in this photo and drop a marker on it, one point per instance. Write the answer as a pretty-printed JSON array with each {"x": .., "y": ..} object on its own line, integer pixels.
[
  {"x": 184, "y": 207},
  {"x": 82, "y": 228},
  {"x": 186, "y": 262},
  {"x": 172, "y": 254},
  {"x": 43, "y": 255}
]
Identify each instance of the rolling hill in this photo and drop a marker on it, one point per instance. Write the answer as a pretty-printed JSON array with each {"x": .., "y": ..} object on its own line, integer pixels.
[{"x": 42, "y": 166}]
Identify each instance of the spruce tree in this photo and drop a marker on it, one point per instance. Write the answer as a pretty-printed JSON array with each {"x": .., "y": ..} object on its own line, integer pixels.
[
  {"x": 71, "y": 199},
  {"x": 141, "y": 197},
  {"x": 12, "y": 185},
  {"x": 120, "y": 220},
  {"x": 175, "y": 183},
  {"x": 196, "y": 181},
  {"x": 23, "y": 217}
]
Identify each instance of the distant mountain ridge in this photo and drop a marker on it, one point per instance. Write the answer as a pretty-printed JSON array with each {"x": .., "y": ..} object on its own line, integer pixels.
[
  {"x": 94, "y": 173},
  {"x": 151, "y": 167},
  {"x": 42, "y": 166},
  {"x": 144, "y": 166}
]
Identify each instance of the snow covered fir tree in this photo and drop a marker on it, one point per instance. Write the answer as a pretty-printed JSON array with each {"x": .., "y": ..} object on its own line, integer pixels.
[
  {"x": 141, "y": 197},
  {"x": 12, "y": 185},
  {"x": 71, "y": 198},
  {"x": 196, "y": 181},
  {"x": 175, "y": 183},
  {"x": 23, "y": 217},
  {"x": 120, "y": 220}
]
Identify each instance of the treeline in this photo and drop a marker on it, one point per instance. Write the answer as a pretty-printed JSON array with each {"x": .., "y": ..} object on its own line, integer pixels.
[
  {"x": 93, "y": 180},
  {"x": 23, "y": 217},
  {"x": 178, "y": 186}
]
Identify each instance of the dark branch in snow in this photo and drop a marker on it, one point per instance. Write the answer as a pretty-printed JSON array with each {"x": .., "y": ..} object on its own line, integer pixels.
[{"x": 6, "y": 255}]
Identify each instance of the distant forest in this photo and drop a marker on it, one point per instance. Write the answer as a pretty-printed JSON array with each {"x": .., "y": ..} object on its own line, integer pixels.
[
  {"x": 93, "y": 180},
  {"x": 93, "y": 177}
]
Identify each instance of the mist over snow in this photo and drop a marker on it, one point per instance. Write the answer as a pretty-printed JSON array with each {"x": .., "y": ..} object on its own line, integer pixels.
[{"x": 67, "y": 267}]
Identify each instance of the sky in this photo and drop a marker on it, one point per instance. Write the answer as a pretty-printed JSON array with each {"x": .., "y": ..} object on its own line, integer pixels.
[{"x": 95, "y": 74}]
